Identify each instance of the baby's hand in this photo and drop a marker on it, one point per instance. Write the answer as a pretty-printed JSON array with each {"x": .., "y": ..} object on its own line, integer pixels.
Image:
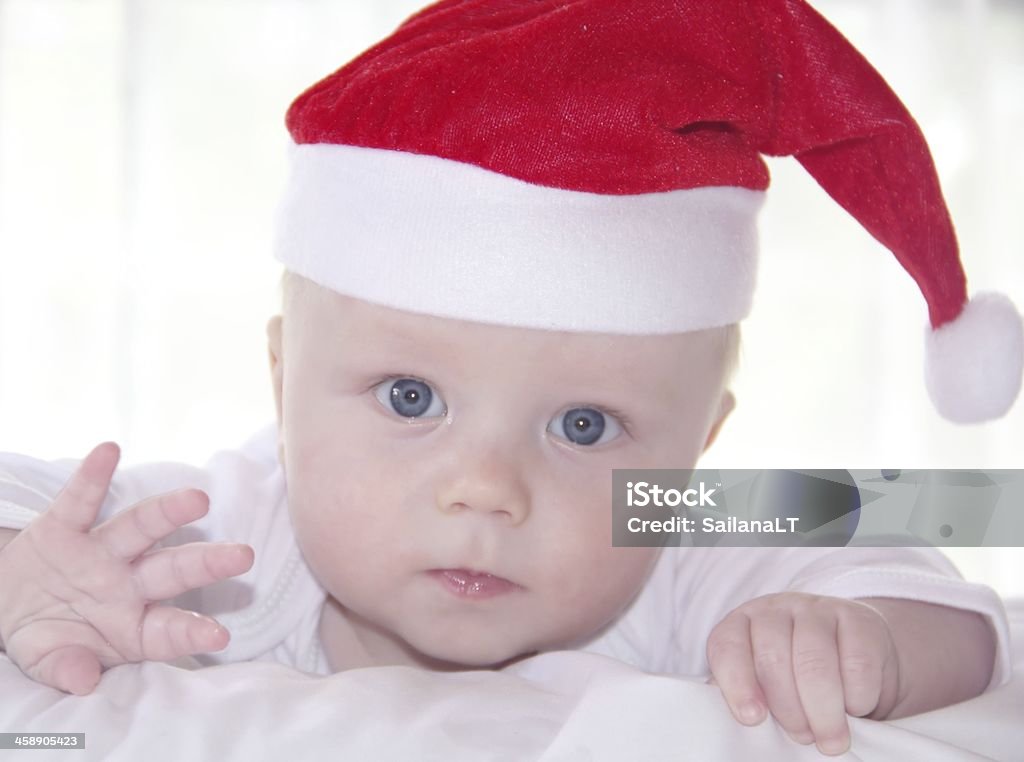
[
  {"x": 75, "y": 599},
  {"x": 808, "y": 659}
]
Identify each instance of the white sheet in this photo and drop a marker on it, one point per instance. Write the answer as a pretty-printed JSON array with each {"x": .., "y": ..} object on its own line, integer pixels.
[{"x": 556, "y": 706}]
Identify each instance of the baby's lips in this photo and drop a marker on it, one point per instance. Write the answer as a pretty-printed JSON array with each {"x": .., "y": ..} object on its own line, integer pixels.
[{"x": 473, "y": 584}]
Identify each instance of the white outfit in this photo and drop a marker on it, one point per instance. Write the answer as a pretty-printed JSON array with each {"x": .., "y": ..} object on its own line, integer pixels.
[{"x": 273, "y": 610}]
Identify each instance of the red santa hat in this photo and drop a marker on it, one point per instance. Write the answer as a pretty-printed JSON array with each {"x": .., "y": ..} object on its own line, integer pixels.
[{"x": 594, "y": 165}]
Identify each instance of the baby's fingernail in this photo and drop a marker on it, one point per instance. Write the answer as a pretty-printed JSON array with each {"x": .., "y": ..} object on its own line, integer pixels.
[
  {"x": 802, "y": 738},
  {"x": 750, "y": 712},
  {"x": 834, "y": 745},
  {"x": 221, "y": 634}
]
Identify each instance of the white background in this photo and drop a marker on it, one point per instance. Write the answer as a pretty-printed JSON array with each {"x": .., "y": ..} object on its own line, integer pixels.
[{"x": 142, "y": 150}]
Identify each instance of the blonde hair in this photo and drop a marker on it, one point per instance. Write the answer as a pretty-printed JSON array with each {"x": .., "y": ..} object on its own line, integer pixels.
[
  {"x": 732, "y": 346},
  {"x": 291, "y": 284}
]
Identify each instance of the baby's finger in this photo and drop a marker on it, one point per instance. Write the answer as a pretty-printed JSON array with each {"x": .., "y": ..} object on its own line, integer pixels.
[
  {"x": 771, "y": 638},
  {"x": 173, "y": 571},
  {"x": 816, "y": 668},
  {"x": 169, "y": 633},
  {"x": 72, "y": 669},
  {"x": 78, "y": 503},
  {"x": 135, "y": 530},
  {"x": 732, "y": 666},
  {"x": 862, "y": 660}
]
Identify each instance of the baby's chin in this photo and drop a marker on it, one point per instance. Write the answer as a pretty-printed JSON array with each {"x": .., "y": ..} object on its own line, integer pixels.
[
  {"x": 461, "y": 663},
  {"x": 469, "y": 655},
  {"x": 466, "y": 651}
]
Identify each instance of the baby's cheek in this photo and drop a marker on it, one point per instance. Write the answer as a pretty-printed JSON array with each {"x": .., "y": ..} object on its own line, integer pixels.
[
  {"x": 604, "y": 580},
  {"x": 624, "y": 571},
  {"x": 327, "y": 534}
]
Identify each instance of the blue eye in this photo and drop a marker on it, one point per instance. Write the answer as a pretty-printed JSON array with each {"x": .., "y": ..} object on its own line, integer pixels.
[
  {"x": 409, "y": 398},
  {"x": 585, "y": 426}
]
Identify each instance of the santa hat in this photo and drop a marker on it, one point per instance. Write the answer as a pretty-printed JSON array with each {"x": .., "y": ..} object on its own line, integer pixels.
[{"x": 594, "y": 165}]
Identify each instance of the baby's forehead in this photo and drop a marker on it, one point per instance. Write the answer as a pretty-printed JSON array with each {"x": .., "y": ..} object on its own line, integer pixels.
[
  {"x": 342, "y": 334},
  {"x": 353, "y": 329}
]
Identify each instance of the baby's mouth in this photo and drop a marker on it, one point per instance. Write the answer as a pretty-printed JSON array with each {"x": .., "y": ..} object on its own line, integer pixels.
[{"x": 468, "y": 583}]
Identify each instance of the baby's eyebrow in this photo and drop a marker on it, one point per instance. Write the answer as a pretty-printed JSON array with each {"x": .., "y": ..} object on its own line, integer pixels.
[{"x": 399, "y": 344}]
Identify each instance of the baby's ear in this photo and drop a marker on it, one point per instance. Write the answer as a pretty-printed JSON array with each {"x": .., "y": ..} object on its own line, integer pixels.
[
  {"x": 725, "y": 406},
  {"x": 276, "y": 361}
]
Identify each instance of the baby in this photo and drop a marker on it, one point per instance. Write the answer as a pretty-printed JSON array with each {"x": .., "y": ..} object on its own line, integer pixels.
[{"x": 499, "y": 289}]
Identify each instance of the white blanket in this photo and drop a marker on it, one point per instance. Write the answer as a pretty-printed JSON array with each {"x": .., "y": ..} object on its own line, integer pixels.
[{"x": 557, "y": 706}]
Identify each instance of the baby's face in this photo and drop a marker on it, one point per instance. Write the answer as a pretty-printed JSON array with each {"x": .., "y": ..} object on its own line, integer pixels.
[{"x": 418, "y": 450}]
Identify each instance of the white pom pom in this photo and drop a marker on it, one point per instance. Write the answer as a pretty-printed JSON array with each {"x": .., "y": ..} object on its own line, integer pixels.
[{"x": 973, "y": 364}]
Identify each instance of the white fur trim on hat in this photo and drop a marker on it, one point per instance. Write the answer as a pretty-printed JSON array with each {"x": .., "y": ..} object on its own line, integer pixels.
[
  {"x": 430, "y": 235},
  {"x": 973, "y": 364}
]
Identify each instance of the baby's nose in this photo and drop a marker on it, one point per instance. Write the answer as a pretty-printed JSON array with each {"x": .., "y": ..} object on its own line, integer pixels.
[{"x": 487, "y": 484}]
